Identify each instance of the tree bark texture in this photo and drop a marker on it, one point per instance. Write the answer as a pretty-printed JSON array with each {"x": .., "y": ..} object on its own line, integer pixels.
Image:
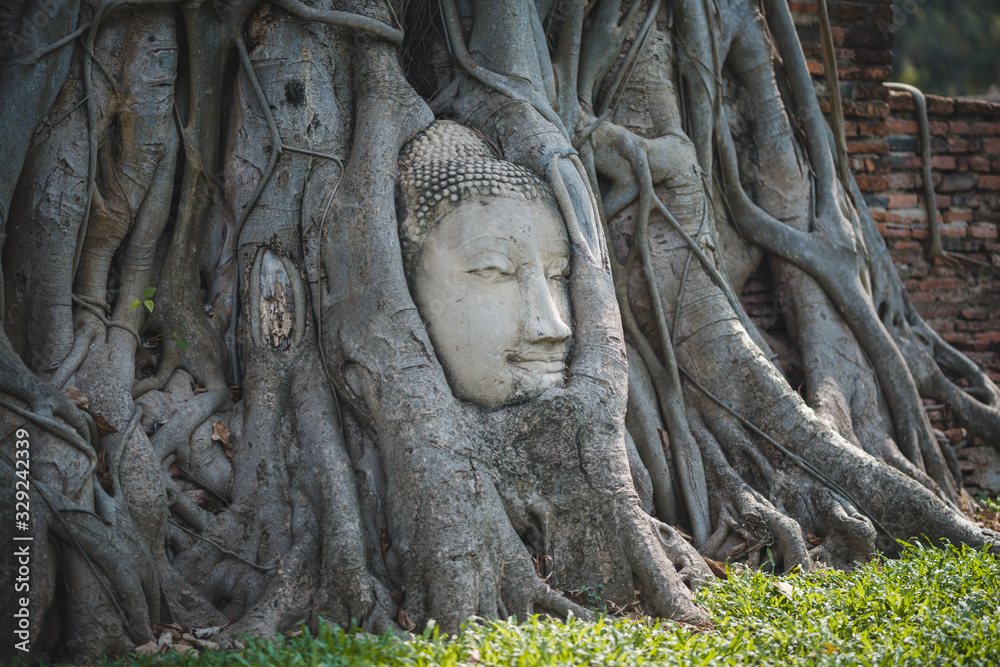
[{"x": 237, "y": 419}]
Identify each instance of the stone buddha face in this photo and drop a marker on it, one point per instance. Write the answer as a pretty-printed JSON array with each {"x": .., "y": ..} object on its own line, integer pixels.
[{"x": 487, "y": 270}]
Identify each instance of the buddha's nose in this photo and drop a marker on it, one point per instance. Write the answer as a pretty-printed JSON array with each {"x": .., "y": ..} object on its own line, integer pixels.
[{"x": 541, "y": 320}]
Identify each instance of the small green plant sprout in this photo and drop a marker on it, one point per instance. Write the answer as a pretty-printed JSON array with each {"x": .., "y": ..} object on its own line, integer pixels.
[
  {"x": 147, "y": 303},
  {"x": 147, "y": 299}
]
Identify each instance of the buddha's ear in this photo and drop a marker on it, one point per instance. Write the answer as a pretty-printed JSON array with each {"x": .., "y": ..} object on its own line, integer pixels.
[{"x": 578, "y": 206}]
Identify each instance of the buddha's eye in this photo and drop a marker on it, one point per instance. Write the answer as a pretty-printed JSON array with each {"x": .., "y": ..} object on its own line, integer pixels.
[{"x": 491, "y": 266}]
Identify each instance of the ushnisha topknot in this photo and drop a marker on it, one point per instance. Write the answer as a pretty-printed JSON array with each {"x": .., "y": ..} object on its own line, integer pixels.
[{"x": 446, "y": 163}]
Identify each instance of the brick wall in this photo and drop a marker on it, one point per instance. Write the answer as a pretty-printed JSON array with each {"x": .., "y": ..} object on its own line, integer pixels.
[{"x": 959, "y": 298}]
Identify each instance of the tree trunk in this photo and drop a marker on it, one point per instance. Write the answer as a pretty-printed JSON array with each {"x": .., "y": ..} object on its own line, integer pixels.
[{"x": 235, "y": 415}]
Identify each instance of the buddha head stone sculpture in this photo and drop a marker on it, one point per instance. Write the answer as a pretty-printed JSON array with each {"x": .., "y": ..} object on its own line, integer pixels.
[{"x": 486, "y": 254}]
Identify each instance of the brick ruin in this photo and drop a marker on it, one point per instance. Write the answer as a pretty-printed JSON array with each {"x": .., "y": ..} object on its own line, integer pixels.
[{"x": 958, "y": 296}]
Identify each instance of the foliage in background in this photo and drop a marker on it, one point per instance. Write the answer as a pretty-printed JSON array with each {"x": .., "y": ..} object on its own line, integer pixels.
[
  {"x": 948, "y": 48},
  {"x": 931, "y": 606}
]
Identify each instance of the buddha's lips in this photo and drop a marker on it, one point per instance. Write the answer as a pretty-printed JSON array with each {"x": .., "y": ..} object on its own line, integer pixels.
[{"x": 545, "y": 364}]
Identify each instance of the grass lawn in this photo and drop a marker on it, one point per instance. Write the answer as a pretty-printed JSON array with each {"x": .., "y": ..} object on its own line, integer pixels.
[{"x": 939, "y": 607}]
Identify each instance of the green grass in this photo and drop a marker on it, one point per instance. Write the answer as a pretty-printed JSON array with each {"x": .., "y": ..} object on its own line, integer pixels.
[{"x": 930, "y": 607}]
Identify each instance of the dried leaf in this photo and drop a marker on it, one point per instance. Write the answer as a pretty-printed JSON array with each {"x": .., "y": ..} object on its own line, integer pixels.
[
  {"x": 398, "y": 595},
  {"x": 182, "y": 647},
  {"x": 104, "y": 428},
  {"x": 210, "y": 646},
  {"x": 201, "y": 633},
  {"x": 814, "y": 540},
  {"x": 79, "y": 398},
  {"x": 717, "y": 568},
  {"x": 173, "y": 629},
  {"x": 785, "y": 588},
  {"x": 405, "y": 621},
  {"x": 149, "y": 648},
  {"x": 200, "y": 390},
  {"x": 543, "y": 566},
  {"x": 165, "y": 639},
  {"x": 664, "y": 439},
  {"x": 474, "y": 655},
  {"x": 221, "y": 434},
  {"x": 828, "y": 648}
]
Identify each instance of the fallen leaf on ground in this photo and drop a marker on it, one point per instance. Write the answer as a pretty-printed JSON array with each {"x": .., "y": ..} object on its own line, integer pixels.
[
  {"x": 79, "y": 398},
  {"x": 149, "y": 648},
  {"x": 786, "y": 588},
  {"x": 104, "y": 427},
  {"x": 221, "y": 434},
  {"x": 717, "y": 568},
  {"x": 405, "y": 621}
]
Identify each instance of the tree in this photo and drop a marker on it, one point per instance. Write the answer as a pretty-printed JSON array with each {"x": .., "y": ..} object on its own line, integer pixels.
[
  {"x": 946, "y": 49},
  {"x": 268, "y": 437}
]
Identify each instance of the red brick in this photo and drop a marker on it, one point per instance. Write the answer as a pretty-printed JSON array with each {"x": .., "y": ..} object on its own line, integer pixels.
[
  {"x": 954, "y": 215},
  {"x": 872, "y": 128},
  {"x": 941, "y": 106},
  {"x": 974, "y": 314},
  {"x": 845, "y": 55},
  {"x": 960, "y": 127},
  {"x": 954, "y": 230},
  {"x": 957, "y": 182},
  {"x": 956, "y": 145},
  {"x": 935, "y": 284},
  {"x": 901, "y": 102},
  {"x": 991, "y": 146},
  {"x": 975, "y": 107},
  {"x": 815, "y": 68},
  {"x": 869, "y": 36},
  {"x": 902, "y": 181},
  {"x": 937, "y": 128},
  {"x": 877, "y": 147},
  {"x": 989, "y": 182},
  {"x": 847, "y": 12},
  {"x": 872, "y": 109},
  {"x": 983, "y": 230},
  {"x": 906, "y": 245},
  {"x": 957, "y": 339},
  {"x": 910, "y": 215},
  {"x": 944, "y": 162},
  {"x": 902, "y": 201},
  {"x": 988, "y": 337},
  {"x": 888, "y": 232},
  {"x": 986, "y": 129},
  {"x": 900, "y": 126},
  {"x": 977, "y": 163},
  {"x": 872, "y": 183},
  {"x": 869, "y": 73},
  {"x": 872, "y": 57}
]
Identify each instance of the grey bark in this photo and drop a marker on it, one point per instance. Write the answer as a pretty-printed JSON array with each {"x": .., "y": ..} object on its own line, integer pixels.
[{"x": 285, "y": 444}]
